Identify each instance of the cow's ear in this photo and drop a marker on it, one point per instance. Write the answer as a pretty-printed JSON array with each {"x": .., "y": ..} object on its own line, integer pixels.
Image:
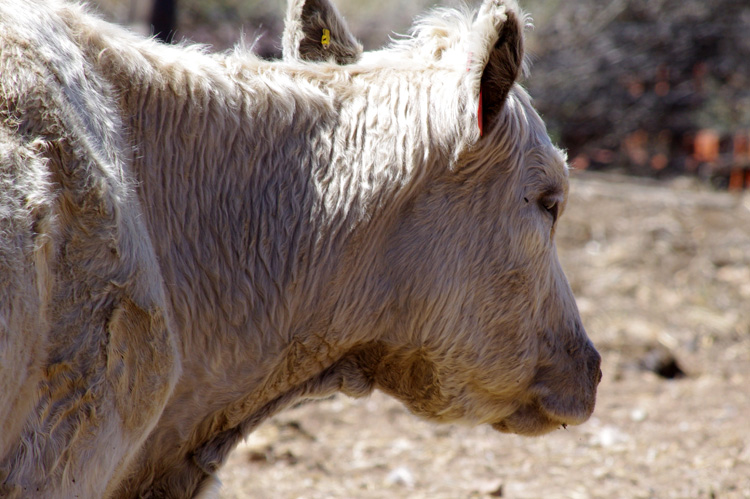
[
  {"x": 315, "y": 31},
  {"x": 496, "y": 58}
]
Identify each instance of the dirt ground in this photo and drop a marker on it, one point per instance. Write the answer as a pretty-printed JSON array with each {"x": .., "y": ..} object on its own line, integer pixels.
[{"x": 661, "y": 273}]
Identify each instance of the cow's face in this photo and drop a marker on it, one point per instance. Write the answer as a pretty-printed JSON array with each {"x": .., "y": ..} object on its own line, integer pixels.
[
  {"x": 490, "y": 331},
  {"x": 488, "y": 328},
  {"x": 482, "y": 326}
]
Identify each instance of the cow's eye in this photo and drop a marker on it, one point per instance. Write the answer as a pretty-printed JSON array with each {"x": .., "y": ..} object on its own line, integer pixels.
[{"x": 551, "y": 206}]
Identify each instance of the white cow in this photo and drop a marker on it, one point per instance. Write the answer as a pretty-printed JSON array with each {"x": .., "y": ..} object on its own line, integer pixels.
[{"x": 190, "y": 243}]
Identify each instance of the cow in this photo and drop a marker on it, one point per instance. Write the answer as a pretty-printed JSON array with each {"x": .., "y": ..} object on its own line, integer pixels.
[{"x": 192, "y": 242}]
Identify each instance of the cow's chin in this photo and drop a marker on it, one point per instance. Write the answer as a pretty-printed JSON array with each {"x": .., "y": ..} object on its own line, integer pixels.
[
  {"x": 528, "y": 421},
  {"x": 532, "y": 420}
]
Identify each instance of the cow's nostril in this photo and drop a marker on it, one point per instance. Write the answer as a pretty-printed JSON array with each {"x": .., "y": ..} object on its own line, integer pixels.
[{"x": 595, "y": 363}]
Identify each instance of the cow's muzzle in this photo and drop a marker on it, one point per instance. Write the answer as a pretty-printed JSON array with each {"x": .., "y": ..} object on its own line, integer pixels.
[{"x": 563, "y": 393}]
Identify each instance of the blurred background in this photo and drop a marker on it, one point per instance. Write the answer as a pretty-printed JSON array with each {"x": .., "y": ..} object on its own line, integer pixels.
[{"x": 651, "y": 98}]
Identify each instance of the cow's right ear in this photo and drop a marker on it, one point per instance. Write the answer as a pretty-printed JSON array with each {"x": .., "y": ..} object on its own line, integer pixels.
[
  {"x": 315, "y": 31},
  {"x": 495, "y": 58}
]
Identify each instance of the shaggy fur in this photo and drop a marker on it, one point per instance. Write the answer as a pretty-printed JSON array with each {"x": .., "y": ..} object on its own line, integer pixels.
[{"x": 190, "y": 243}]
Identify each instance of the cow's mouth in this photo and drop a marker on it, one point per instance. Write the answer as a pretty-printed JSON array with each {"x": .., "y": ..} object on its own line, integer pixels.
[
  {"x": 529, "y": 420},
  {"x": 552, "y": 403},
  {"x": 547, "y": 413}
]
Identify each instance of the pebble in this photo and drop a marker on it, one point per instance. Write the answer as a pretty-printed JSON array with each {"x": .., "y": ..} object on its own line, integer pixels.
[
  {"x": 638, "y": 415},
  {"x": 400, "y": 476}
]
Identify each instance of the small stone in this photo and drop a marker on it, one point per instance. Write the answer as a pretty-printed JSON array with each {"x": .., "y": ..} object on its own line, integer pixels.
[
  {"x": 638, "y": 415},
  {"x": 498, "y": 492},
  {"x": 609, "y": 436},
  {"x": 400, "y": 476}
]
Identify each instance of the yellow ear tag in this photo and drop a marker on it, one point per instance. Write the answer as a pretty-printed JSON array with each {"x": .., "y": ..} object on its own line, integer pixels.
[{"x": 326, "y": 38}]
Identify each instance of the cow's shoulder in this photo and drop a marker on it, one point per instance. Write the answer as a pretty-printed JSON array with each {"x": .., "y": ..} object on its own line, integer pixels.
[{"x": 81, "y": 294}]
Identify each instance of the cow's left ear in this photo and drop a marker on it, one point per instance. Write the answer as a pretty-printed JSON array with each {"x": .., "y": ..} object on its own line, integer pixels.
[
  {"x": 495, "y": 57},
  {"x": 315, "y": 31}
]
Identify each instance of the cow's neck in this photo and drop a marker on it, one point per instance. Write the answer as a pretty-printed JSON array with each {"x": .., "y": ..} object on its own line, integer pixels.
[
  {"x": 261, "y": 226},
  {"x": 267, "y": 222}
]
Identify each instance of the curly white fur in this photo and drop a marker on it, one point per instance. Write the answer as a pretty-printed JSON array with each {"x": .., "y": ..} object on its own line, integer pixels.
[{"x": 191, "y": 242}]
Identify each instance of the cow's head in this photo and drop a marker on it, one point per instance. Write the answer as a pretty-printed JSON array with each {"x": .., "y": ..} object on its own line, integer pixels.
[{"x": 480, "y": 324}]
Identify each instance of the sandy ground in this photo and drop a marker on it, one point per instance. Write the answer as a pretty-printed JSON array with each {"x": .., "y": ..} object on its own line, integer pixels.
[{"x": 661, "y": 273}]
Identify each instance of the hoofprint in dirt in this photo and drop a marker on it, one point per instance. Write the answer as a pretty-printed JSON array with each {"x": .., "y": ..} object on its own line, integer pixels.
[{"x": 660, "y": 271}]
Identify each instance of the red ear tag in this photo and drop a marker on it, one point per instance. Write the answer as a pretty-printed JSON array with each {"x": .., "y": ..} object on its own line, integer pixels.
[{"x": 479, "y": 113}]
